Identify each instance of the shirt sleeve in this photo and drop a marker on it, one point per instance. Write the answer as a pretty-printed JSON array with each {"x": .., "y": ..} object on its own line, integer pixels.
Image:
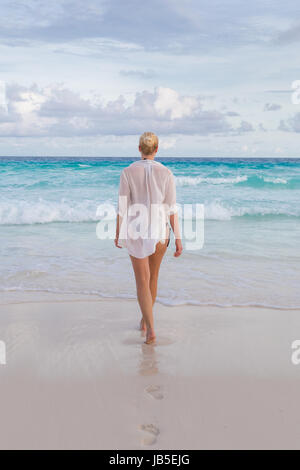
[
  {"x": 124, "y": 194},
  {"x": 170, "y": 196}
]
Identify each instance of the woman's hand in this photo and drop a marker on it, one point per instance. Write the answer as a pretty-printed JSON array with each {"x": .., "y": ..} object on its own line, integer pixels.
[
  {"x": 175, "y": 227},
  {"x": 117, "y": 242},
  {"x": 178, "y": 245}
]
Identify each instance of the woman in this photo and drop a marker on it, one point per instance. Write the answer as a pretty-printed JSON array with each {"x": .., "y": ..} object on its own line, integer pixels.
[{"x": 147, "y": 203}]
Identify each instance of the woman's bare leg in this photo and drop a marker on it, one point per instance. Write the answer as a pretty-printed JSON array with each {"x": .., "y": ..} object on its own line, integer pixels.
[
  {"x": 154, "y": 265},
  {"x": 146, "y": 272},
  {"x": 142, "y": 280}
]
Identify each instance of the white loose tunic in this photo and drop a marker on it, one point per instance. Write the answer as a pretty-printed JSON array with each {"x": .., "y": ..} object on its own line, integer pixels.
[{"x": 147, "y": 197}]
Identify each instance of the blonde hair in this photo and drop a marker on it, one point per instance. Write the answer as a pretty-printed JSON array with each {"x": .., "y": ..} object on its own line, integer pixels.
[{"x": 148, "y": 143}]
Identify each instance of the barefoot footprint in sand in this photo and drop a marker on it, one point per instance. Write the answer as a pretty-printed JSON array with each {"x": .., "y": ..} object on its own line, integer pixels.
[
  {"x": 155, "y": 391},
  {"x": 152, "y": 433}
]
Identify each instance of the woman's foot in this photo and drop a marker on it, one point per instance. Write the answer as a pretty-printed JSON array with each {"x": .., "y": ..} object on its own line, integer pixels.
[
  {"x": 143, "y": 325},
  {"x": 150, "y": 337}
]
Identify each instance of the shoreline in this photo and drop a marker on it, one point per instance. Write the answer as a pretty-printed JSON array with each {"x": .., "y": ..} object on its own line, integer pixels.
[{"x": 47, "y": 296}]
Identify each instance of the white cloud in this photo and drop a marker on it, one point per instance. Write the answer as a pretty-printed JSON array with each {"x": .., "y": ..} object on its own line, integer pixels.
[
  {"x": 58, "y": 111},
  {"x": 167, "y": 143},
  {"x": 29, "y": 101},
  {"x": 168, "y": 102}
]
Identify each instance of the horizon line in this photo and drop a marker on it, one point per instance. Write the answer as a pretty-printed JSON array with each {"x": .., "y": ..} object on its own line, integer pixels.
[{"x": 157, "y": 158}]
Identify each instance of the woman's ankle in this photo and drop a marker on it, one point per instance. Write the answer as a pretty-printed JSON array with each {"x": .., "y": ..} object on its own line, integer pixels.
[{"x": 150, "y": 331}]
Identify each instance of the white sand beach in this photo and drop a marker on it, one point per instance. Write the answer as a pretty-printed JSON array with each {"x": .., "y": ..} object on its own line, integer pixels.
[{"x": 78, "y": 376}]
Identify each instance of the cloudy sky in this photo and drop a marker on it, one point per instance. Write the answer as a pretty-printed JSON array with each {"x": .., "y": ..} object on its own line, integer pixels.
[{"x": 211, "y": 78}]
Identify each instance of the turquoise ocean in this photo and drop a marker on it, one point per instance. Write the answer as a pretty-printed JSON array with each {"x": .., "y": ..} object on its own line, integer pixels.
[{"x": 250, "y": 256}]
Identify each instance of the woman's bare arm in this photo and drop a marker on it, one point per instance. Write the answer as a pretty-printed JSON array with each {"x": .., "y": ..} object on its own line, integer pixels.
[
  {"x": 176, "y": 230},
  {"x": 117, "y": 231}
]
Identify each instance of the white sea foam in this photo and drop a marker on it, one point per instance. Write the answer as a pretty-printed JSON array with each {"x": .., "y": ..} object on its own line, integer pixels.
[
  {"x": 219, "y": 211},
  {"x": 195, "y": 180},
  {"x": 43, "y": 211},
  {"x": 216, "y": 211},
  {"x": 274, "y": 180}
]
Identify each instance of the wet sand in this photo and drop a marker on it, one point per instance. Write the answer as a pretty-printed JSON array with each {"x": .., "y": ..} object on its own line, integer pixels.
[{"x": 79, "y": 376}]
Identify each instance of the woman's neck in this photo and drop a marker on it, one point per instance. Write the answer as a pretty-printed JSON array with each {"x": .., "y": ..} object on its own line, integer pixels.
[{"x": 147, "y": 157}]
